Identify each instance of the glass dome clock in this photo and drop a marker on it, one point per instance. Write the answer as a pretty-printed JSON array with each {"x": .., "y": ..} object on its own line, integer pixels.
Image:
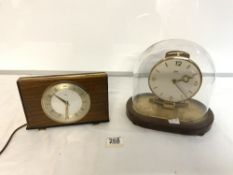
[{"x": 173, "y": 81}]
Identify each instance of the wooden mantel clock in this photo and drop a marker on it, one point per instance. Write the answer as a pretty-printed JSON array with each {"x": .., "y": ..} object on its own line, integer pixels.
[{"x": 64, "y": 99}]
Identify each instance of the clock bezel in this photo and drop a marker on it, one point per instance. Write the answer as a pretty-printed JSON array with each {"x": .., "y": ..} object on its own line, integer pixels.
[
  {"x": 79, "y": 89},
  {"x": 178, "y": 58}
]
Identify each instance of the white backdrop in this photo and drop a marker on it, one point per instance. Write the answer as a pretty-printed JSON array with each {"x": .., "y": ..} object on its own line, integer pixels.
[{"x": 108, "y": 35}]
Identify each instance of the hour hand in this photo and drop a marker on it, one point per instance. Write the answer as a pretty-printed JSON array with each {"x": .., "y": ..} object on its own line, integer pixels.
[
  {"x": 64, "y": 101},
  {"x": 186, "y": 78},
  {"x": 190, "y": 77}
]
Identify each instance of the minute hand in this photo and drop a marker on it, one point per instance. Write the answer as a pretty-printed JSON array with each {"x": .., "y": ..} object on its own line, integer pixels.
[
  {"x": 67, "y": 111},
  {"x": 174, "y": 82}
]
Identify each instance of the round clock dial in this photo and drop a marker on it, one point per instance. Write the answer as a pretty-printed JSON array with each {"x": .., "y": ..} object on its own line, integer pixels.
[
  {"x": 65, "y": 102},
  {"x": 175, "y": 79}
]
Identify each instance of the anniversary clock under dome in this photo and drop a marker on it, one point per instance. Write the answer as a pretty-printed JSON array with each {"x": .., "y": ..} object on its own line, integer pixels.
[{"x": 173, "y": 81}]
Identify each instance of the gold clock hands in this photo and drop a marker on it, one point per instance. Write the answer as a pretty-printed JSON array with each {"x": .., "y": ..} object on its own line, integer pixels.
[
  {"x": 192, "y": 76},
  {"x": 67, "y": 111},
  {"x": 186, "y": 78},
  {"x": 174, "y": 82}
]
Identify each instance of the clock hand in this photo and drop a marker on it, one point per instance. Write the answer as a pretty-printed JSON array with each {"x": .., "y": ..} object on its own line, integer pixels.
[
  {"x": 186, "y": 78},
  {"x": 67, "y": 111},
  {"x": 192, "y": 76},
  {"x": 67, "y": 106},
  {"x": 64, "y": 101},
  {"x": 175, "y": 83}
]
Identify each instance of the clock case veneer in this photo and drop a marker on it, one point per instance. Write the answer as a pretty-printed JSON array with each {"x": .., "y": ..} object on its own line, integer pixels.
[{"x": 31, "y": 90}]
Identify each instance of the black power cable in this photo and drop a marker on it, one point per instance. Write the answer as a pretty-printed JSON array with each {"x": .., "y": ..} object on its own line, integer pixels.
[{"x": 11, "y": 136}]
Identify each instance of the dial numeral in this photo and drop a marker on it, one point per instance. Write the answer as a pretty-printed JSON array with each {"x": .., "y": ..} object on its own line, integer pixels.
[
  {"x": 195, "y": 83},
  {"x": 178, "y": 63},
  {"x": 153, "y": 78}
]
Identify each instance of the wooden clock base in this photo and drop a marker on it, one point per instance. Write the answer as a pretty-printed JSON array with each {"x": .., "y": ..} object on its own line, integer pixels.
[{"x": 187, "y": 128}]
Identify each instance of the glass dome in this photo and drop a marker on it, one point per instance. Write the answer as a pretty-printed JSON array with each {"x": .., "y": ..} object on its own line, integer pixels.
[{"x": 173, "y": 82}]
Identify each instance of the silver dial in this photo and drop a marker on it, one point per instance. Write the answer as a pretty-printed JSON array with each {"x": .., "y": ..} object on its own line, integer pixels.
[
  {"x": 175, "y": 79},
  {"x": 65, "y": 102}
]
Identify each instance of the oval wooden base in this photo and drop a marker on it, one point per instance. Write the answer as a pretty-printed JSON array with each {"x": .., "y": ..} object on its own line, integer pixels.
[{"x": 199, "y": 128}]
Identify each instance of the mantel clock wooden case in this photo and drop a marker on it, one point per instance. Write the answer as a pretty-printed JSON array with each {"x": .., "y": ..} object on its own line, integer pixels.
[{"x": 64, "y": 99}]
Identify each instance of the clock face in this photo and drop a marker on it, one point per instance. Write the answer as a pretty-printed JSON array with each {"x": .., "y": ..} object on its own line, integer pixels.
[
  {"x": 175, "y": 79},
  {"x": 65, "y": 102}
]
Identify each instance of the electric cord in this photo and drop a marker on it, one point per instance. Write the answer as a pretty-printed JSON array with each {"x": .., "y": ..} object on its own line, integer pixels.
[{"x": 10, "y": 138}]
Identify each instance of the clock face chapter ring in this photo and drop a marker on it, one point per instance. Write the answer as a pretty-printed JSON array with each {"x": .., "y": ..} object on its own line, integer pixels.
[
  {"x": 175, "y": 79},
  {"x": 65, "y": 102}
]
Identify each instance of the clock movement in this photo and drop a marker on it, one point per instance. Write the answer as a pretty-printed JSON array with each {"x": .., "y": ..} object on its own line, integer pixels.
[
  {"x": 64, "y": 99},
  {"x": 172, "y": 88}
]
